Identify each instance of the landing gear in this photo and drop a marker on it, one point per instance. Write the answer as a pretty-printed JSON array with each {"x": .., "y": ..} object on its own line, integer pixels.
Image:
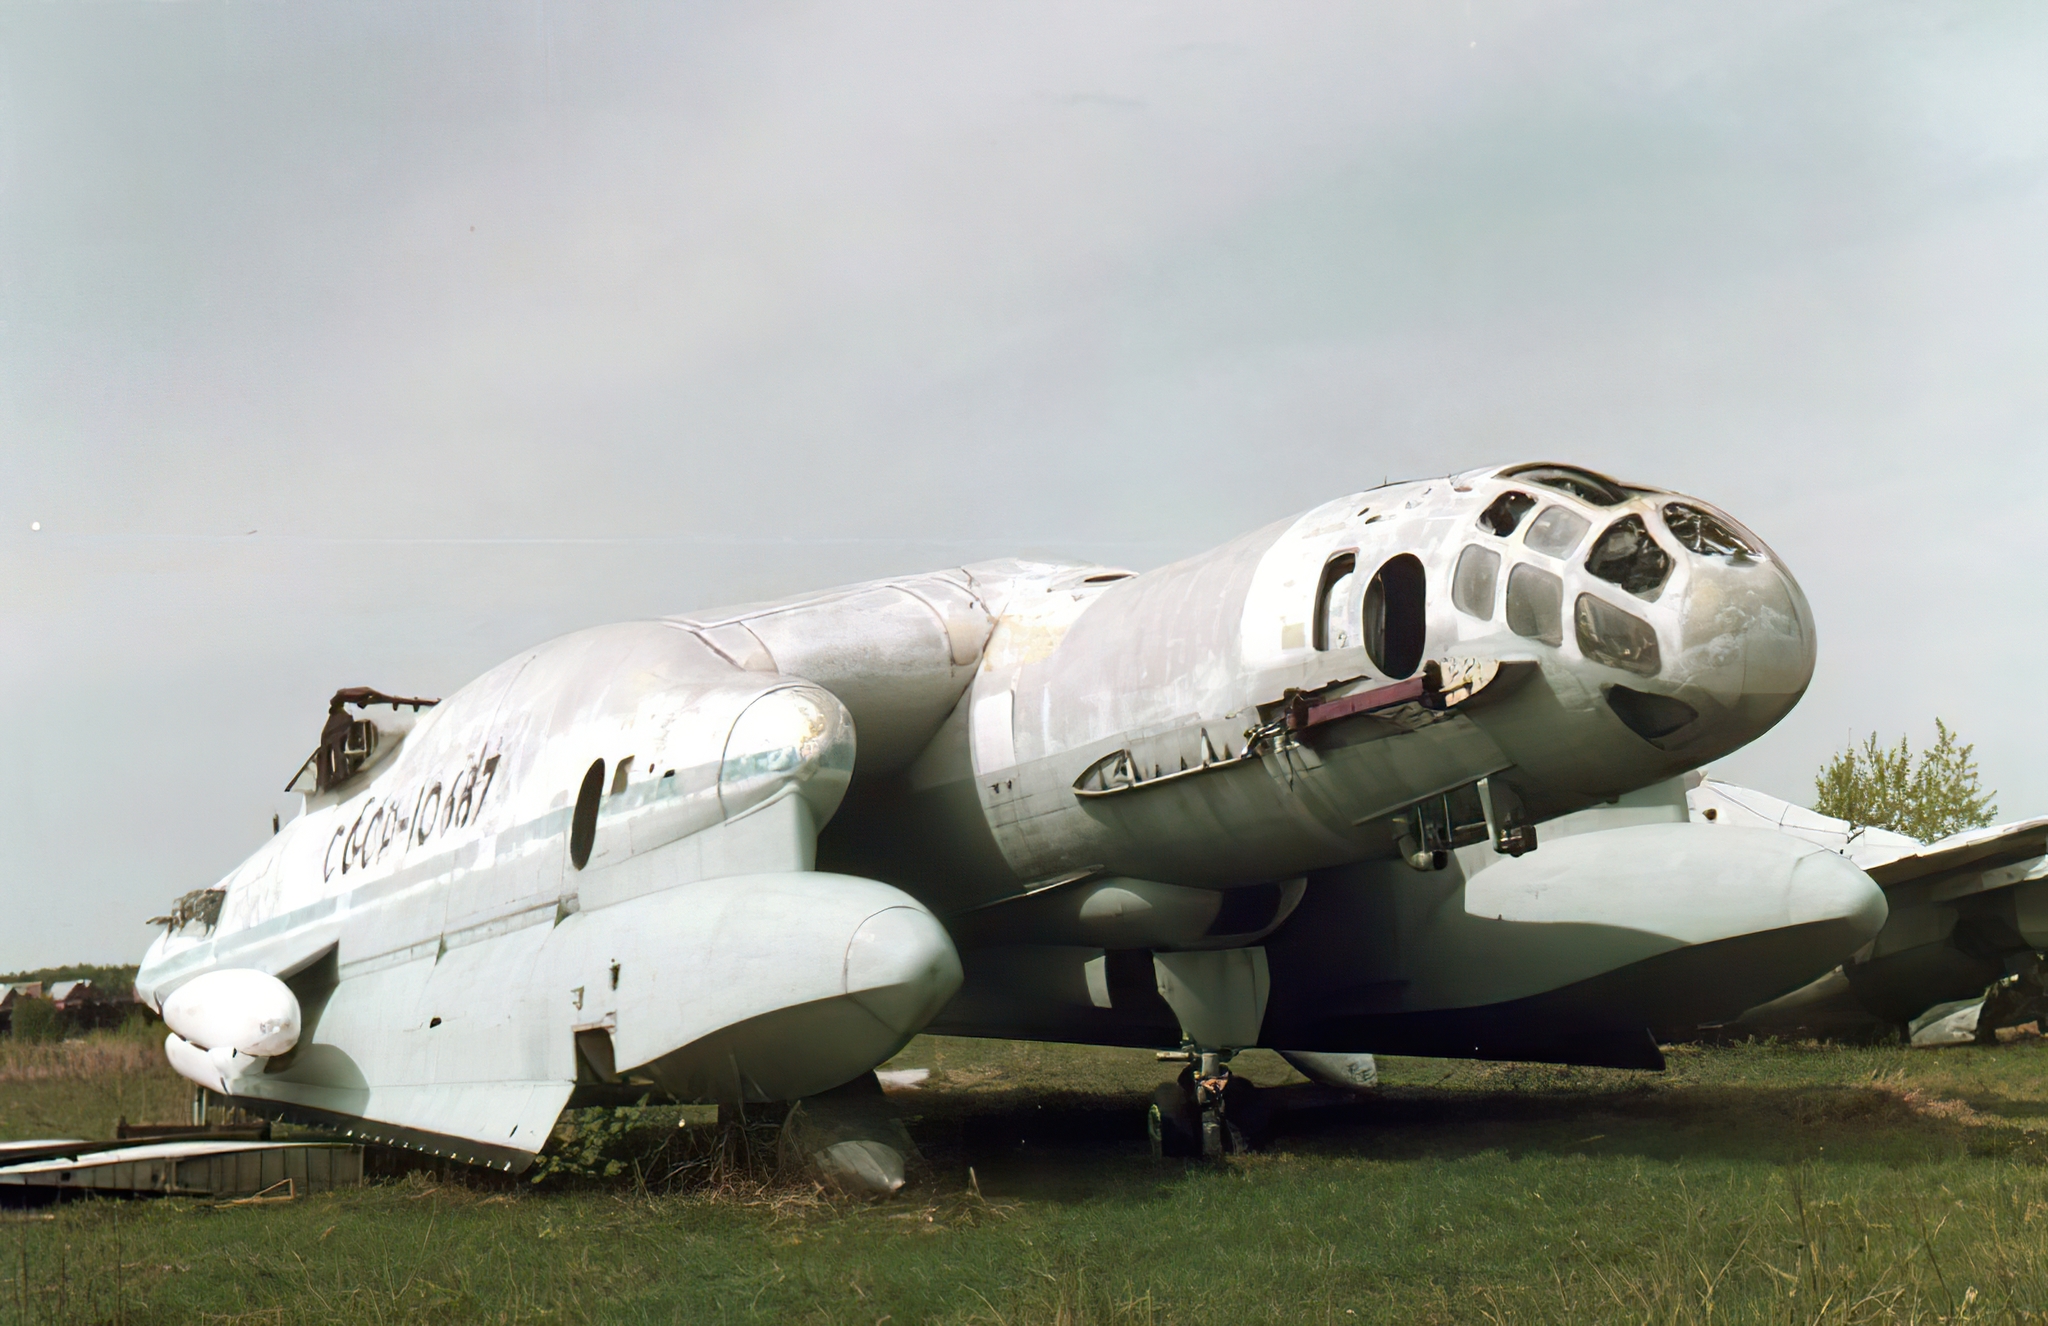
[
  {"x": 1219, "y": 995},
  {"x": 1174, "y": 1121},
  {"x": 2017, "y": 998},
  {"x": 1207, "y": 1112}
]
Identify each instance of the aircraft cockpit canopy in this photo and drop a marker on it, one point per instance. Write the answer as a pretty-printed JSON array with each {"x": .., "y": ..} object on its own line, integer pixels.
[
  {"x": 348, "y": 745},
  {"x": 1706, "y": 534},
  {"x": 1627, "y": 556},
  {"x": 1505, "y": 513},
  {"x": 1582, "y": 484}
]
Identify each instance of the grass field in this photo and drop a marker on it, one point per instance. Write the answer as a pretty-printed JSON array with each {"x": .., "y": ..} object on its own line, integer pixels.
[{"x": 1748, "y": 1183}]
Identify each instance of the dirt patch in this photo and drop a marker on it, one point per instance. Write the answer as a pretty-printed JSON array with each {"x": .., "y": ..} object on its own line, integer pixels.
[{"x": 1945, "y": 1108}]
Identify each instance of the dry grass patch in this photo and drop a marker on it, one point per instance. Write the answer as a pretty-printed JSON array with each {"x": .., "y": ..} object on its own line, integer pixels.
[{"x": 90, "y": 1058}]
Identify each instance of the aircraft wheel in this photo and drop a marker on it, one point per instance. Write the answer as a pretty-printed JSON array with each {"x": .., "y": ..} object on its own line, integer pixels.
[
  {"x": 1247, "y": 1115},
  {"x": 1175, "y": 1124}
]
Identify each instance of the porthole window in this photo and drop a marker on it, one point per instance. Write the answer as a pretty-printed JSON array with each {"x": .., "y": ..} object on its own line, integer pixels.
[
  {"x": 1396, "y": 621},
  {"x": 1536, "y": 604},
  {"x": 1556, "y": 532},
  {"x": 1336, "y": 622},
  {"x": 1473, "y": 583}
]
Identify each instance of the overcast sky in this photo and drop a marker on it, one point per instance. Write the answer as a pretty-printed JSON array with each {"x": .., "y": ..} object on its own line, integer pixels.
[{"x": 367, "y": 344}]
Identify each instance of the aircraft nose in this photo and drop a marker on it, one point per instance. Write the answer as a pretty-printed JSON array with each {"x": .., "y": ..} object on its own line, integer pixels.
[
  {"x": 901, "y": 966},
  {"x": 1744, "y": 647},
  {"x": 1745, "y": 636}
]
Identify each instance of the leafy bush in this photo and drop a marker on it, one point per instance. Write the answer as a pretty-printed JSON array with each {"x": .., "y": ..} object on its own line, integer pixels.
[
  {"x": 34, "y": 1020},
  {"x": 597, "y": 1144}
]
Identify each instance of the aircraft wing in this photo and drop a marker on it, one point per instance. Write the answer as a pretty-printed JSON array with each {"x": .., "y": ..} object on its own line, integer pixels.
[
  {"x": 1974, "y": 861},
  {"x": 1970, "y": 862}
]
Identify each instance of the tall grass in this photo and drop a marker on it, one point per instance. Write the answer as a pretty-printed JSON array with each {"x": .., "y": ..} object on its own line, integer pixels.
[
  {"x": 81, "y": 1087},
  {"x": 97, "y": 1057}
]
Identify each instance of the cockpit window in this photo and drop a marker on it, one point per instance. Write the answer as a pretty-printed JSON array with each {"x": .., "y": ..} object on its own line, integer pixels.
[
  {"x": 1704, "y": 533},
  {"x": 1626, "y": 555},
  {"x": 1556, "y": 532},
  {"x": 1619, "y": 639},
  {"x": 1505, "y": 512},
  {"x": 1536, "y": 604},
  {"x": 1582, "y": 484},
  {"x": 1473, "y": 582}
]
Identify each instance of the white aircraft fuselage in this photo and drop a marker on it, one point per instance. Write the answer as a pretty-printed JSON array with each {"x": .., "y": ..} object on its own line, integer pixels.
[{"x": 1248, "y": 798}]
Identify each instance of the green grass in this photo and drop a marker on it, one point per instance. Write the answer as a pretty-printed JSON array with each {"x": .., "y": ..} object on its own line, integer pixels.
[{"x": 1749, "y": 1183}]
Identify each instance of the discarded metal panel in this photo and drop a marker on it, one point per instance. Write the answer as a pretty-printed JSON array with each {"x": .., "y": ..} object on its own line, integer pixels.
[
  {"x": 191, "y": 1169},
  {"x": 39, "y": 1148}
]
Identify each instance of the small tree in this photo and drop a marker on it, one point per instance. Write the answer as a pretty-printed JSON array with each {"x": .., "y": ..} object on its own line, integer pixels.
[
  {"x": 1884, "y": 787},
  {"x": 34, "y": 1020}
]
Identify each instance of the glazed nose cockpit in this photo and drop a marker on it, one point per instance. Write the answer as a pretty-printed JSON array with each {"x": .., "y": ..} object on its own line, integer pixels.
[{"x": 1694, "y": 629}]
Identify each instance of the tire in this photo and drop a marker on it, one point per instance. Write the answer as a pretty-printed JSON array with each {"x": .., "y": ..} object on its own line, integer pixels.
[
  {"x": 1174, "y": 1124},
  {"x": 1247, "y": 1114}
]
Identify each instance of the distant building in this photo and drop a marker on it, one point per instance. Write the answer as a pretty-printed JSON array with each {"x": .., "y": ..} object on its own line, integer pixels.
[
  {"x": 73, "y": 996},
  {"x": 80, "y": 1005}
]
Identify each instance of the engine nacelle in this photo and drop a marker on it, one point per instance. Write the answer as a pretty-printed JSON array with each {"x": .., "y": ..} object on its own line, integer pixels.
[
  {"x": 216, "y": 1070},
  {"x": 238, "y": 1009}
]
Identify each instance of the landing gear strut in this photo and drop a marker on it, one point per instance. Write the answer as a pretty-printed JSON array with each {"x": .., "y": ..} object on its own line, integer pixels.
[{"x": 1207, "y": 1112}]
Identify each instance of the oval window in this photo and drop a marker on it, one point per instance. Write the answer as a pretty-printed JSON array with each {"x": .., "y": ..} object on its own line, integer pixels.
[
  {"x": 1650, "y": 716},
  {"x": 1396, "y": 621},
  {"x": 1582, "y": 484},
  {"x": 1472, "y": 584},
  {"x": 1536, "y": 604},
  {"x": 583, "y": 823}
]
